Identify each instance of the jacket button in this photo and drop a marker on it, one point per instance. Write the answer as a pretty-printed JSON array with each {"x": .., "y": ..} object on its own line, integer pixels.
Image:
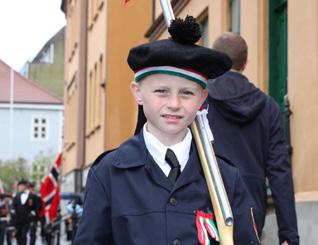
[
  {"x": 176, "y": 242},
  {"x": 173, "y": 201}
]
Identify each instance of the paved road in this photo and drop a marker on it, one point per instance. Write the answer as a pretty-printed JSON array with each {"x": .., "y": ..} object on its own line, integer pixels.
[{"x": 39, "y": 242}]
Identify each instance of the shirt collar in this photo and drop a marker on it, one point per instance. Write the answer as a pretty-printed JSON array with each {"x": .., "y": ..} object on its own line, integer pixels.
[
  {"x": 158, "y": 150},
  {"x": 24, "y": 196}
]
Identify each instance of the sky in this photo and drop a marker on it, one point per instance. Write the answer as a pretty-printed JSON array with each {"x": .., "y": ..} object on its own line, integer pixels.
[{"x": 25, "y": 27}]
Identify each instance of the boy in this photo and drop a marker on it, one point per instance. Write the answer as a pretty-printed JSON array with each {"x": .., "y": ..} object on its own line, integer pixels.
[{"x": 151, "y": 190}]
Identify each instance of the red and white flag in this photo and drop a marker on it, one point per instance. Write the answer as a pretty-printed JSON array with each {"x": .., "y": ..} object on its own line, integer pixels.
[{"x": 50, "y": 191}]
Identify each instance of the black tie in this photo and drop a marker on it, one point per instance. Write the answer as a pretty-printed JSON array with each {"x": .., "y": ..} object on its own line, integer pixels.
[{"x": 172, "y": 160}]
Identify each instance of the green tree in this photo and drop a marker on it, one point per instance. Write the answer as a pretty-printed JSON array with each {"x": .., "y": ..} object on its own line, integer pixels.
[
  {"x": 13, "y": 170},
  {"x": 41, "y": 166}
]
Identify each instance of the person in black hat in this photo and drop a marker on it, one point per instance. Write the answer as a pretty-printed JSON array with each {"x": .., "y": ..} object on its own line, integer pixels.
[
  {"x": 24, "y": 208},
  {"x": 151, "y": 190}
]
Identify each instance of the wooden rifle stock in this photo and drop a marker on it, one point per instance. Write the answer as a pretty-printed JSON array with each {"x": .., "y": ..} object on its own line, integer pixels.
[{"x": 222, "y": 211}]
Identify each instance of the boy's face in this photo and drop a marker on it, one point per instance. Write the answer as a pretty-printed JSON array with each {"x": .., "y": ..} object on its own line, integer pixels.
[{"x": 170, "y": 104}]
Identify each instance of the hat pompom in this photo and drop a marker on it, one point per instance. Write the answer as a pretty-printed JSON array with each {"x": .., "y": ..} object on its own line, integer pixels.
[{"x": 185, "y": 31}]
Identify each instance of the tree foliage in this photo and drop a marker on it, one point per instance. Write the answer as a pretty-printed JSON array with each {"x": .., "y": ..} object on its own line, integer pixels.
[
  {"x": 13, "y": 170},
  {"x": 40, "y": 166}
]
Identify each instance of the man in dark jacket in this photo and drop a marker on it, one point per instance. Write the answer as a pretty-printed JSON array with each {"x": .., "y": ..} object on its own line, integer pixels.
[
  {"x": 35, "y": 216},
  {"x": 25, "y": 208},
  {"x": 247, "y": 128}
]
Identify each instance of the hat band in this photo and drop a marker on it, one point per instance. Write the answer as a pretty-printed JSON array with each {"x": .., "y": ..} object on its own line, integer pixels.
[{"x": 171, "y": 70}]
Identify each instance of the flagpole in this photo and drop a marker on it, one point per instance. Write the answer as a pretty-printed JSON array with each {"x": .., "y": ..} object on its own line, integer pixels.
[
  {"x": 11, "y": 105},
  {"x": 167, "y": 11}
]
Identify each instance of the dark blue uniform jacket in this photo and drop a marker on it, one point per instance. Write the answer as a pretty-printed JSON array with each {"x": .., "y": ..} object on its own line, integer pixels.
[
  {"x": 129, "y": 201},
  {"x": 247, "y": 128}
]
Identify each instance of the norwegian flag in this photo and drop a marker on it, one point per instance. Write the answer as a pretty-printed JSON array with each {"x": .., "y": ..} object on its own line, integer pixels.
[{"x": 50, "y": 191}]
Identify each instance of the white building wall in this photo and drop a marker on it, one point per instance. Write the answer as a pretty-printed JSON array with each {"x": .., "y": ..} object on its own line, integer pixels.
[{"x": 21, "y": 140}]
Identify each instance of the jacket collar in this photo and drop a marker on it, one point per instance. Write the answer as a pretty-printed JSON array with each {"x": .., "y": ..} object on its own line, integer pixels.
[{"x": 133, "y": 153}]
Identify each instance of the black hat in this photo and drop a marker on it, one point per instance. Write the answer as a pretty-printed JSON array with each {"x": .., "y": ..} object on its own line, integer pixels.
[
  {"x": 31, "y": 184},
  {"x": 179, "y": 55},
  {"x": 23, "y": 182}
]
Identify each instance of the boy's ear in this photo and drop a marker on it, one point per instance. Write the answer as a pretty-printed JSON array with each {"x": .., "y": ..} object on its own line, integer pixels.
[
  {"x": 205, "y": 94},
  {"x": 135, "y": 90}
]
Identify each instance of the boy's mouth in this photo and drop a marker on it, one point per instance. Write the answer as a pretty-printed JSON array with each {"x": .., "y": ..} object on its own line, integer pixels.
[{"x": 172, "y": 117}]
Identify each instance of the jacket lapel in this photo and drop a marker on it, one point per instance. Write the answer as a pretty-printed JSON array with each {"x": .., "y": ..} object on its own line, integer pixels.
[{"x": 192, "y": 171}]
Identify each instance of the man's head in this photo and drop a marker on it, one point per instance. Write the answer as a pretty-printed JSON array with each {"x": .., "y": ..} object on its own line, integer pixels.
[
  {"x": 22, "y": 185},
  {"x": 235, "y": 47},
  {"x": 31, "y": 186},
  {"x": 171, "y": 76}
]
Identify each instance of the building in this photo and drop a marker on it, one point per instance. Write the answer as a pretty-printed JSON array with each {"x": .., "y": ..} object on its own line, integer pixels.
[
  {"x": 98, "y": 36},
  {"x": 283, "y": 54},
  {"x": 31, "y": 118},
  {"x": 47, "y": 68}
]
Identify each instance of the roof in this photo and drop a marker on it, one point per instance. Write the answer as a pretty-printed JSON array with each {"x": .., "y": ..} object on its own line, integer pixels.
[{"x": 25, "y": 90}]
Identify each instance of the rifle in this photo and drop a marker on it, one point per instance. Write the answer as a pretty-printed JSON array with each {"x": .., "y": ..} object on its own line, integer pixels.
[{"x": 201, "y": 131}]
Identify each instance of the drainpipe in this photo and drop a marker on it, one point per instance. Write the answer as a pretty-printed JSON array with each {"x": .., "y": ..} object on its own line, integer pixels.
[{"x": 81, "y": 102}]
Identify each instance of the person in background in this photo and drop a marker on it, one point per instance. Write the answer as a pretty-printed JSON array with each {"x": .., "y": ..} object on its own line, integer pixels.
[
  {"x": 3, "y": 217},
  {"x": 34, "y": 213},
  {"x": 25, "y": 208},
  {"x": 75, "y": 210},
  {"x": 247, "y": 128},
  {"x": 6, "y": 218}
]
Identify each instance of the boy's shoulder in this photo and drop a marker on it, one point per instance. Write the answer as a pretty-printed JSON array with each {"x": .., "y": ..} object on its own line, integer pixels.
[
  {"x": 105, "y": 155},
  {"x": 130, "y": 153}
]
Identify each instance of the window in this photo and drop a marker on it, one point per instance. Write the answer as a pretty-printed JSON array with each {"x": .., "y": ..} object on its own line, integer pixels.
[
  {"x": 205, "y": 32},
  {"x": 203, "y": 19},
  {"x": 39, "y": 128},
  {"x": 47, "y": 56}
]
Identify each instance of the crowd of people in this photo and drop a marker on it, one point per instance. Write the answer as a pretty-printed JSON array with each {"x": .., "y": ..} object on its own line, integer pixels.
[
  {"x": 20, "y": 214},
  {"x": 22, "y": 218}
]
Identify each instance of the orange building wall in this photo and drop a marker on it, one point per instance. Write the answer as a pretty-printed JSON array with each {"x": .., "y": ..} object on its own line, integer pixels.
[
  {"x": 254, "y": 29},
  {"x": 127, "y": 25},
  {"x": 303, "y": 94},
  {"x": 71, "y": 89},
  {"x": 95, "y": 76}
]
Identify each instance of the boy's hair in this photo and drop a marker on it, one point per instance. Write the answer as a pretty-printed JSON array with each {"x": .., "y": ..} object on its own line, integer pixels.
[{"x": 234, "y": 46}]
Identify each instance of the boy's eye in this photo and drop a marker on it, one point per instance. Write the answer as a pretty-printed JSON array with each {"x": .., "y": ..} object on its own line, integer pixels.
[
  {"x": 187, "y": 92},
  {"x": 160, "y": 91}
]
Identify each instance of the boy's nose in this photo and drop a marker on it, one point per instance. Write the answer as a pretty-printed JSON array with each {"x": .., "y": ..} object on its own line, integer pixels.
[{"x": 174, "y": 102}]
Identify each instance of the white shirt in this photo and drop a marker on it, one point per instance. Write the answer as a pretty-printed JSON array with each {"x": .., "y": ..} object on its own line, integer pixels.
[
  {"x": 158, "y": 150},
  {"x": 24, "y": 197}
]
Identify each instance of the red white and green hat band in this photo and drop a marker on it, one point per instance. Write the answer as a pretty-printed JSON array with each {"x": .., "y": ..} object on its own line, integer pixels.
[{"x": 174, "y": 71}]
